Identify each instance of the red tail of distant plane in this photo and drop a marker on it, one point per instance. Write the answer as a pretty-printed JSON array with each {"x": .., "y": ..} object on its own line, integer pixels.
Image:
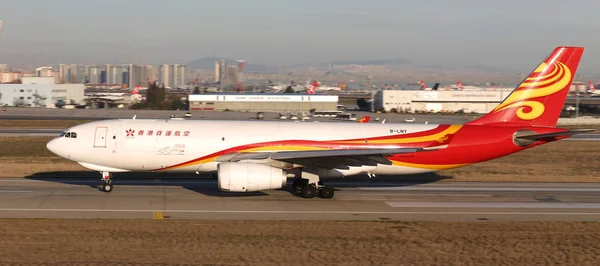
[
  {"x": 423, "y": 86},
  {"x": 459, "y": 85},
  {"x": 364, "y": 119},
  {"x": 312, "y": 88},
  {"x": 591, "y": 85},
  {"x": 136, "y": 90},
  {"x": 539, "y": 99}
]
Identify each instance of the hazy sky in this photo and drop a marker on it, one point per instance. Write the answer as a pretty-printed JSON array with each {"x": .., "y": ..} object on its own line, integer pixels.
[{"x": 507, "y": 33}]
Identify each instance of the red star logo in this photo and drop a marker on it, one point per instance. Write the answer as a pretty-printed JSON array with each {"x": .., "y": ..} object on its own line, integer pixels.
[{"x": 129, "y": 132}]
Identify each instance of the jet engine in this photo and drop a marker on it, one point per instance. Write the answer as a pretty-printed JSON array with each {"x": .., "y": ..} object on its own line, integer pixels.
[{"x": 248, "y": 177}]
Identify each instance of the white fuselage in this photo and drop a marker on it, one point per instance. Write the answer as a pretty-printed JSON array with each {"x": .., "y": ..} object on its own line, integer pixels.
[{"x": 137, "y": 145}]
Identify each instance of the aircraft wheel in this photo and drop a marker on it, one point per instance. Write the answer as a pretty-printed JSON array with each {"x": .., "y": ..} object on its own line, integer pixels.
[
  {"x": 298, "y": 184},
  {"x": 308, "y": 191},
  {"x": 107, "y": 187},
  {"x": 326, "y": 192}
]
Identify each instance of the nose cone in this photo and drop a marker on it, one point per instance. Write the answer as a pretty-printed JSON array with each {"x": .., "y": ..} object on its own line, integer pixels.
[{"x": 53, "y": 146}]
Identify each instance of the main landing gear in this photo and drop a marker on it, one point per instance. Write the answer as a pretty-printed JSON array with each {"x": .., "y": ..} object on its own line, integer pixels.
[
  {"x": 107, "y": 178},
  {"x": 310, "y": 186}
]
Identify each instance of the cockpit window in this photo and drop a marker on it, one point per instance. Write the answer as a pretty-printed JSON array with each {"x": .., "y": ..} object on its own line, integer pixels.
[
  {"x": 71, "y": 135},
  {"x": 62, "y": 134}
]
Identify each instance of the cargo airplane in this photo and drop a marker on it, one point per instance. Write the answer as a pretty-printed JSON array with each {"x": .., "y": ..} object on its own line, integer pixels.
[{"x": 261, "y": 155}]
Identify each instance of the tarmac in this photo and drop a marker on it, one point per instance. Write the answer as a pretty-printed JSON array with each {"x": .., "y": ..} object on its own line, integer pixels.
[
  {"x": 99, "y": 114},
  {"x": 354, "y": 200}
]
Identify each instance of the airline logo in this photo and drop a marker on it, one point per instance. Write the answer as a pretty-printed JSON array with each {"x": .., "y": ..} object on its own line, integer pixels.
[
  {"x": 545, "y": 80},
  {"x": 167, "y": 133}
]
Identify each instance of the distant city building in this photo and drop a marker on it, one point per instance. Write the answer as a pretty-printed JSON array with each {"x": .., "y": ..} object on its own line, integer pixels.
[
  {"x": 166, "y": 75},
  {"x": 232, "y": 74},
  {"x": 217, "y": 71},
  {"x": 117, "y": 74},
  {"x": 141, "y": 75},
  {"x": 179, "y": 76},
  {"x": 47, "y": 71},
  {"x": 6, "y": 77},
  {"x": 94, "y": 76},
  {"x": 223, "y": 70},
  {"x": 68, "y": 73},
  {"x": 3, "y": 67}
]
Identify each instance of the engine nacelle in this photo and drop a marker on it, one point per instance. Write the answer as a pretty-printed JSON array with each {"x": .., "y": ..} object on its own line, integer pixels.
[{"x": 248, "y": 177}]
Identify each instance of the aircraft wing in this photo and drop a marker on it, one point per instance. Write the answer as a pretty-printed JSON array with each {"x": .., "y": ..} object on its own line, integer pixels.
[
  {"x": 339, "y": 159},
  {"x": 324, "y": 158}
]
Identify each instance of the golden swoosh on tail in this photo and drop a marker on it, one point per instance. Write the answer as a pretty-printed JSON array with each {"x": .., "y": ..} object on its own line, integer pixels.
[{"x": 533, "y": 88}]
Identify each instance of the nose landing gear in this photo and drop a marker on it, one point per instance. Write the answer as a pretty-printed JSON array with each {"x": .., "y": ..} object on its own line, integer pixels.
[{"x": 107, "y": 178}]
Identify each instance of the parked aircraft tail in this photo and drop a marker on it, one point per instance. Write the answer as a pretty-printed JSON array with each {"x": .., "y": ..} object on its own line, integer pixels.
[{"x": 364, "y": 119}]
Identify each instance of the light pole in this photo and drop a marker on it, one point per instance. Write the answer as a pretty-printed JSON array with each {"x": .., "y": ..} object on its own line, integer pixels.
[{"x": 577, "y": 105}]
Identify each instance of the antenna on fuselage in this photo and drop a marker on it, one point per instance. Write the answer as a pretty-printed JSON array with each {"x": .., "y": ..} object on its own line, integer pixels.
[
  {"x": 383, "y": 122},
  {"x": 134, "y": 117}
]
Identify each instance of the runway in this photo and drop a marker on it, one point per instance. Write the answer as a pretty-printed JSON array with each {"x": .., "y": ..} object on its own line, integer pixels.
[{"x": 354, "y": 200}]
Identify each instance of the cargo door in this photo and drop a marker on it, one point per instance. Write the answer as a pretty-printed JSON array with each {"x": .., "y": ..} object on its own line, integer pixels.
[{"x": 100, "y": 137}]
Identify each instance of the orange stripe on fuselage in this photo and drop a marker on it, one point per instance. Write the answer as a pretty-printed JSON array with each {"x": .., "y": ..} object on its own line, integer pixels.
[{"x": 424, "y": 137}]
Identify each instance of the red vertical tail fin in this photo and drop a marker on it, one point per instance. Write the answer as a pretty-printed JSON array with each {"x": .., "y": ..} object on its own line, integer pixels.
[
  {"x": 591, "y": 85},
  {"x": 539, "y": 99},
  {"x": 459, "y": 85}
]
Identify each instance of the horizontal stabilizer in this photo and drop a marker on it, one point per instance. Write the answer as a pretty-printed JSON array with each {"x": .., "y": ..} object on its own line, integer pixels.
[
  {"x": 526, "y": 138},
  {"x": 553, "y": 135}
]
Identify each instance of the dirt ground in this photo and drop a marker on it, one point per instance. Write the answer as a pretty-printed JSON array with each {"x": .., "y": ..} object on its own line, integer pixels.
[
  {"x": 297, "y": 242},
  {"x": 564, "y": 161}
]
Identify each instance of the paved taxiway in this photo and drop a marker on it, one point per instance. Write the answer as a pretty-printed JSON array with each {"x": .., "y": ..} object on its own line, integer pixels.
[{"x": 354, "y": 200}]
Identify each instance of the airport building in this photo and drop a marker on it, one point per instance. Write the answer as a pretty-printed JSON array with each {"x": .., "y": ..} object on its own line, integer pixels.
[
  {"x": 40, "y": 92},
  {"x": 477, "y": 101},
  {"x": 263, "y": 102}
]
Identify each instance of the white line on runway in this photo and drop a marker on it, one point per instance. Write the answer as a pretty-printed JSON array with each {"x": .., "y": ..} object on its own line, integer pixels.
[
  {"x": 298, "y": 212},
  {"x": 415, "y": 195},
  {"x": 507, "y": 205},
  {"x": 15, "y": 191},
  {"x": 489, "y": 189}
]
